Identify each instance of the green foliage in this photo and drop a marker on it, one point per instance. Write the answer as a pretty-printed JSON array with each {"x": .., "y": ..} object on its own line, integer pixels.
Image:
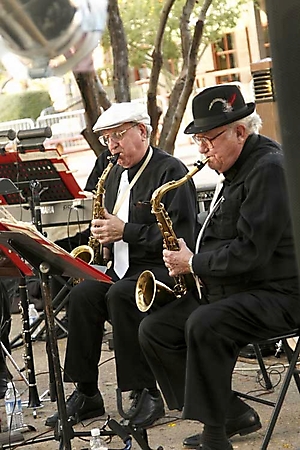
[
  {"x": 141, "y": 18},
  {"x": 23, "y": 105},
  {"x": 222, "y": 17}
]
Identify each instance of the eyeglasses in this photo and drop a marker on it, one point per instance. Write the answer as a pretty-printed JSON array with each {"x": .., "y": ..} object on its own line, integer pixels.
[
  {"x": 208, "y": 142},
  {"x": 116, "y": 136}
]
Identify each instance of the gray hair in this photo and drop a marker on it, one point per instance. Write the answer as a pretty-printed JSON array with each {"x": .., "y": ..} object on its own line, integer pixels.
[
  {"x": 252, "y": 123},
  {"x": 149, "y": 130}
]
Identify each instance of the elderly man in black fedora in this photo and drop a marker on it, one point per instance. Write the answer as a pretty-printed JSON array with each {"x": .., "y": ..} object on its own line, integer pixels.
[{"x": 246, "y": 268}]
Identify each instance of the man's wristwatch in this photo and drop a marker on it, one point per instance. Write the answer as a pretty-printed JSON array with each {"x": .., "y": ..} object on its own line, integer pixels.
[{"x": 190, "y": 263}]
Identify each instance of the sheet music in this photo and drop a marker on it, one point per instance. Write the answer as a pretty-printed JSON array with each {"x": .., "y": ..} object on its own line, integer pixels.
[{"x": 34, "y": 247}]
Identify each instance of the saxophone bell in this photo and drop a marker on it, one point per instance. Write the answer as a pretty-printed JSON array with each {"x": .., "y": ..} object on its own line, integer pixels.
[
  {"x": 86, "y": 254},
  {"x": 149, "y": 289},
  {"x": 83, "y": 252}
]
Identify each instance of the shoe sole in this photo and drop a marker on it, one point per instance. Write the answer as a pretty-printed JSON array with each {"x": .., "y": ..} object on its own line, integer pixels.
[
  {"x": 90, "y": 415},
  {"x": 243, "y": 432},
  {"x": 246, "y": 431},
  {"x": 74, "y": 420},
  {"x": 148, "y": 423}
]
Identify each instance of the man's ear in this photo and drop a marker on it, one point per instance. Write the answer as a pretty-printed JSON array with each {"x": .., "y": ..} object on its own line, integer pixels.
[
  {"x": 143, "y": 130},
  {"x": 240, "y": 132}
]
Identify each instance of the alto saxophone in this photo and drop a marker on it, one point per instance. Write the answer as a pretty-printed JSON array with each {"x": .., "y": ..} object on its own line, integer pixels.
[
  {"x": 147, "y": 288},
  {"x": 92, "y": 252}
]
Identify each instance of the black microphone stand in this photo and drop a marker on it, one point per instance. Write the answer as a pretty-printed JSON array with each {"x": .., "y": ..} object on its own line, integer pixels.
[
  {"x": 35, "y": 204},
  {"x": 56, "y": 383}
]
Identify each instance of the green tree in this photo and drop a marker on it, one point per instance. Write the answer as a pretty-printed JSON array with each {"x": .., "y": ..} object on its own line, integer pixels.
[
  {"x": 23, "y": 105},
  {"x": 141, "y": 21},
  {"x": 155, "y": 31}
]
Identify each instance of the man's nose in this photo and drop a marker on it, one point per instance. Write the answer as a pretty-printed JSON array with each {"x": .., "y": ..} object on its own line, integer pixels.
[
  {"x": 113, "y": 146},
  {"x": 203, "y": 148}
]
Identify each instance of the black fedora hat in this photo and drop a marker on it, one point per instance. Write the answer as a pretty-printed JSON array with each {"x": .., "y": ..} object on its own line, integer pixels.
[{"x": 217, "y": 106}]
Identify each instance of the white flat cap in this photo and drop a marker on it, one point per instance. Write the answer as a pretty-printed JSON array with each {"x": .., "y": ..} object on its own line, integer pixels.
[{"x": 119, "y": 113}]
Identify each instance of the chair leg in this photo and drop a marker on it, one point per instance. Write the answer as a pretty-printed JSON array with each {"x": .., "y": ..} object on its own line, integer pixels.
[
  {"x": 281, "y": 397},
  {"x": 268, "y": 383},
  {"x": 289, "y": 353}
]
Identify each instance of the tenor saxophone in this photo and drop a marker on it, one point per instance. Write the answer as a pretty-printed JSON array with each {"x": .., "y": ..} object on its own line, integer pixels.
[
  {"x": 148, "y": 288},
  {"x": 92, "y": 252}
]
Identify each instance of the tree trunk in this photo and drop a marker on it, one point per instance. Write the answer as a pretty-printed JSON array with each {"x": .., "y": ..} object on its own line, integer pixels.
[
  {"x": 184, "y": 85},
  {"x": 120, "y": 53},
  {"x": 94, "y": 98},
  {"x": 157, "y": 58},
  {"x": 92, "y": 91}
]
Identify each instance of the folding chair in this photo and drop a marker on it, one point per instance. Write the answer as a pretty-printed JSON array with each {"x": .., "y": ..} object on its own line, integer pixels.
[{"x": 292, "y": 371}]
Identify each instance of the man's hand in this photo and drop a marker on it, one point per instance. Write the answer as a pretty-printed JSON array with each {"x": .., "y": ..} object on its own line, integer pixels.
[
  {"x": 107, "y": 230},
  {"x": 177, "y": 262}
]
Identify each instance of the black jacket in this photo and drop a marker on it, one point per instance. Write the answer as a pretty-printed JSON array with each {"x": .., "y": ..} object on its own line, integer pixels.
[
  {"x": 142, "y": 232},
  {"x": 248, "y": 243}
]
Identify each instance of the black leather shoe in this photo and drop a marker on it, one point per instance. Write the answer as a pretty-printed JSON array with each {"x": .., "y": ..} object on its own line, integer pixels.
[
  {"x": 151, "y": 409},
  {"x": 80, "y": 407},
  {"x": 247, "y": 423},
  {"x": 3, "y": 384}
]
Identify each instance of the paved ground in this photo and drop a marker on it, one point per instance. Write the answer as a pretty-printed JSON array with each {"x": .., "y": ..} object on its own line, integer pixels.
[{"x": 168, "y": 432}]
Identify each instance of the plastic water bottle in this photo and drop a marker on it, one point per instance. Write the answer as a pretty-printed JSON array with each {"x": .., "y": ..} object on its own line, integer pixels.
[
  {"x": 13, "y": 408},
  {"x": 96, "y": 441},
  {"x": 33, "y": 315}
]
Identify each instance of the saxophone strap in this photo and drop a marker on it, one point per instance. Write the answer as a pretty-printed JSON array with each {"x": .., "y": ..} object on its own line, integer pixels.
[
  {"x": 120, "y": 200},
  {"x": 212, "y": 211}
]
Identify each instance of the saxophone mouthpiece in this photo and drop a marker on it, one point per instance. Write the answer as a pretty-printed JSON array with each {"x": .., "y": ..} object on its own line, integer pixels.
[
  {"x": 113, "y": 158},
  {"x": 200, "y": 164}
]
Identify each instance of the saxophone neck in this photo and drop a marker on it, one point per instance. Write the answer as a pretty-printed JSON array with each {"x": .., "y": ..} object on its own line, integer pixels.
[
  {"x": 112, "y": 162},
  {"x": 162, "y": 190}
]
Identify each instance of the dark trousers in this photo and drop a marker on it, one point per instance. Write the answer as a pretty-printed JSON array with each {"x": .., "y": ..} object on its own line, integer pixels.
[
  {"x": 193, "y": 355},
  {"x": 91, "y": 303}
]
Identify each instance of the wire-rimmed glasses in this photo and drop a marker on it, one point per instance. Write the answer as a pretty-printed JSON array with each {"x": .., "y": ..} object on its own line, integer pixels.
[
  {"x": 116, "y": 136},
  {"x": 206, "y": 141}
]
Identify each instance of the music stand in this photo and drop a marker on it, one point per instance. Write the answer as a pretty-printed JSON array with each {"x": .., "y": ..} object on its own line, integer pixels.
[
  {"x": 48, "y": 168},
  {"x": 48, "y": 258}
]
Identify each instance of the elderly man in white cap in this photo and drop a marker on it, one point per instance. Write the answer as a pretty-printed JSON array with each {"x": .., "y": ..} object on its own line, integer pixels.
[{"x": 129, "y": 230}]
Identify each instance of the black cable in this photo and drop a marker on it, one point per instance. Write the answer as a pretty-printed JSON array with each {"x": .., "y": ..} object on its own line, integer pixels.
[{"x": 272, "y": 370}]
